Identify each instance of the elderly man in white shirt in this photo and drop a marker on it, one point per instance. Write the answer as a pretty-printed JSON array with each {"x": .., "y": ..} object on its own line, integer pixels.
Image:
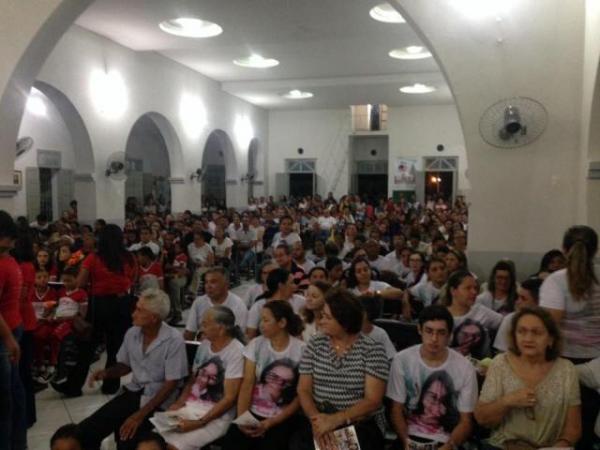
[{"x": 154, "y": 353}]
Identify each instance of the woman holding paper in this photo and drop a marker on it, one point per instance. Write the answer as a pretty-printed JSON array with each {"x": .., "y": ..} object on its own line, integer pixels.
[
  {"x": 268, "y": 404},
  {"x": 206, "y": 406},
  {"x": 342, "y": 379}
]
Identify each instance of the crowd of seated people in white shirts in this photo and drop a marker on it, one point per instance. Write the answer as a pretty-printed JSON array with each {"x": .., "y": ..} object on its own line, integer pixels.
[{"x": 364, "y": 317}]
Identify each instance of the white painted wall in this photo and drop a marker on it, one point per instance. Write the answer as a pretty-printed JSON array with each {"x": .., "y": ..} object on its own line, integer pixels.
[
  {"x": 153, "y": 84},
  {"x": 323, "y": 134},
  {"x": 415, "y": 132},
  {"x": 361, "y": 148},
  {"x": 49, "y": 132}
]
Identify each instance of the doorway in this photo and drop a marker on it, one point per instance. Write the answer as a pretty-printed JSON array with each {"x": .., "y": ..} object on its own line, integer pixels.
[
  {"x": 302, "y": 185},
  {"x": 372, "y": 186},
  {"x": 439, "y": 184}
]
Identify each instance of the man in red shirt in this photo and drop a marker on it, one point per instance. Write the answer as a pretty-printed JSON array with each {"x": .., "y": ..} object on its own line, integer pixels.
[{"x": 12, "y": 395}]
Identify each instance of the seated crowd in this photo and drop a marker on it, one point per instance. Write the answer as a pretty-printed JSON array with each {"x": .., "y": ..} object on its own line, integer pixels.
[{"x": 365, "y": 327}]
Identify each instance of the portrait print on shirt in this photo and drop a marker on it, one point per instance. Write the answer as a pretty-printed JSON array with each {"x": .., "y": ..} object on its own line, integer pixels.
[
  {"x": 208, "y": 384},
  {"x": 275, "y": 388},
  {"x": 431, "y": 407},
  {"x": 471, "y": 339}
]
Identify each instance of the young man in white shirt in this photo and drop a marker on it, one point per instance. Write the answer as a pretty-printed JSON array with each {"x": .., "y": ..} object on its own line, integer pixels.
[{"x": 432, "y": 387}]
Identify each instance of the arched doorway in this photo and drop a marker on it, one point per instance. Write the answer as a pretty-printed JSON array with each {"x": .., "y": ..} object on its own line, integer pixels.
[
  {"x": 148, "y": 166},
  {"x": 219, "y": 171},
  {"x": 252, "y": 174},
  {"x": 57, "y": 164}
]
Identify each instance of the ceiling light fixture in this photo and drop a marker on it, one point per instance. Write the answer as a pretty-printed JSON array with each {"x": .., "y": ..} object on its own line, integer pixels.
[
  {"x": 190, "y": 27},
  {"x": 386, "y": 13},
  {"x": 255, "y": 61},
  {"x": 417, "y": 88},
  {"x": 296, "y": 94},
  {"x": 410, "y": 52}
]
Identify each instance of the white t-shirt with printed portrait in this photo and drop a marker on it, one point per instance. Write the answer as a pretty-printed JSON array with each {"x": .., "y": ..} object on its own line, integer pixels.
[
  {"x": 450, "y": 389},
  {"x": 276, "y": 375}
]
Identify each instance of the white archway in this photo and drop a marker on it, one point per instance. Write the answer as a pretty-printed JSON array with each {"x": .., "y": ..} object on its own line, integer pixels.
[
  {"x": 220, "y": 174},
  {"x": 152, "y": 146},
  {"x": 33, "y": 29},
  {"x": 65, "y": 135}
]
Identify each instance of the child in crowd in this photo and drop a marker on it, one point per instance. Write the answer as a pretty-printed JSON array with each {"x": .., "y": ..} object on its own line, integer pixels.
[
  {"x": 57, "y": 322},
  {"x": 177, "y": 272},
  {"x": 150, "y": 270},
  {"x": 67, "y": 437}
]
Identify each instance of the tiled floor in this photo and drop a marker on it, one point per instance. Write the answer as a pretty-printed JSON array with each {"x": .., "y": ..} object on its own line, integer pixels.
[{"x": 53, "y": 410}]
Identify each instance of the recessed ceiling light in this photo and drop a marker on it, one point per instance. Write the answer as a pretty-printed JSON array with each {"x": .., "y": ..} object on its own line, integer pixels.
[
  {"x": 190, "y": 27},
  {"x": 256, "y": 62},
  {"x": 410, "y": 52},
  {"x": 417, "y": 88},
  {"x": 295, "y": 94},
  {"x": 386, "y": 13}
]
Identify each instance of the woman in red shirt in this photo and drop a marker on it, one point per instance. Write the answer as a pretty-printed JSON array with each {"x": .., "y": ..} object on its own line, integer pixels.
[
  {"x": 110, "y": 272},
  {"x": 13, "y": 427},
  {"x": 23, "y": 254}
]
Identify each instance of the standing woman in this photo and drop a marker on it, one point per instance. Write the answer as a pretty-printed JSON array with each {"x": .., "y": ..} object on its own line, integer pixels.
[
  {"x": 110, "y": 272},
  {"x": 572, "y": 297},
  {"x": 23, "y": 254}
]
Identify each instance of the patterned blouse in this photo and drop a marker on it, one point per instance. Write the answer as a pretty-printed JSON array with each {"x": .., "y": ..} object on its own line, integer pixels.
[{"x": 339, "y": 381}]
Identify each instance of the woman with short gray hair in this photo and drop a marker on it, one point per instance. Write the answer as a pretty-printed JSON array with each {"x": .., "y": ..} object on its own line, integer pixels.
[{"x": 212, "y": 390}]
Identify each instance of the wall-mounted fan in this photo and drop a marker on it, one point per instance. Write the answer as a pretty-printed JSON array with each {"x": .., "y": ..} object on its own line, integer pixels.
[
  {"x": 513, "y": 122},
  {"x": 24, "y": 144},
  {"x": 115, "y": 166},
  {"x": 198, "y": 174}
]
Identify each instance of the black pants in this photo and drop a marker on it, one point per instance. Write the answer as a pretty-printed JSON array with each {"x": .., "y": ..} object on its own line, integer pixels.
[
  {"x": 276, "y": 438},
  {"x": 109, "y": 418},
  {"x": 590, "y": 405},
  {"x": 110, "y": 316},
  {"x": 25, "y": 366},
  {"x": 368, "y": 433}
]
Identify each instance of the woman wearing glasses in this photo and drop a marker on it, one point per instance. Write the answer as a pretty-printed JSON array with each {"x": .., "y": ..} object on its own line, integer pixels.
[
  {"x": 268, "y": 389},
  {"x": 530, "y": 398}
]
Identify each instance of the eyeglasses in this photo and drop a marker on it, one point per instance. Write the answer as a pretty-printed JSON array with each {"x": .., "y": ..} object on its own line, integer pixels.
[{"x": 273, "y": 378}]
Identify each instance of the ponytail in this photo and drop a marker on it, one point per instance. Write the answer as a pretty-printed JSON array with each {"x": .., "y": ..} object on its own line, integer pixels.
[
  {"x": 581, "y": 244},
  {"x": 281, "y": 309},
  {"x": 225, "y": 317}
]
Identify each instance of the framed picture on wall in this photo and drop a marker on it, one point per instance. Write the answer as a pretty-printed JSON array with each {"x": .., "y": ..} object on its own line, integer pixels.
[{"x": 18, "y": 178}]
